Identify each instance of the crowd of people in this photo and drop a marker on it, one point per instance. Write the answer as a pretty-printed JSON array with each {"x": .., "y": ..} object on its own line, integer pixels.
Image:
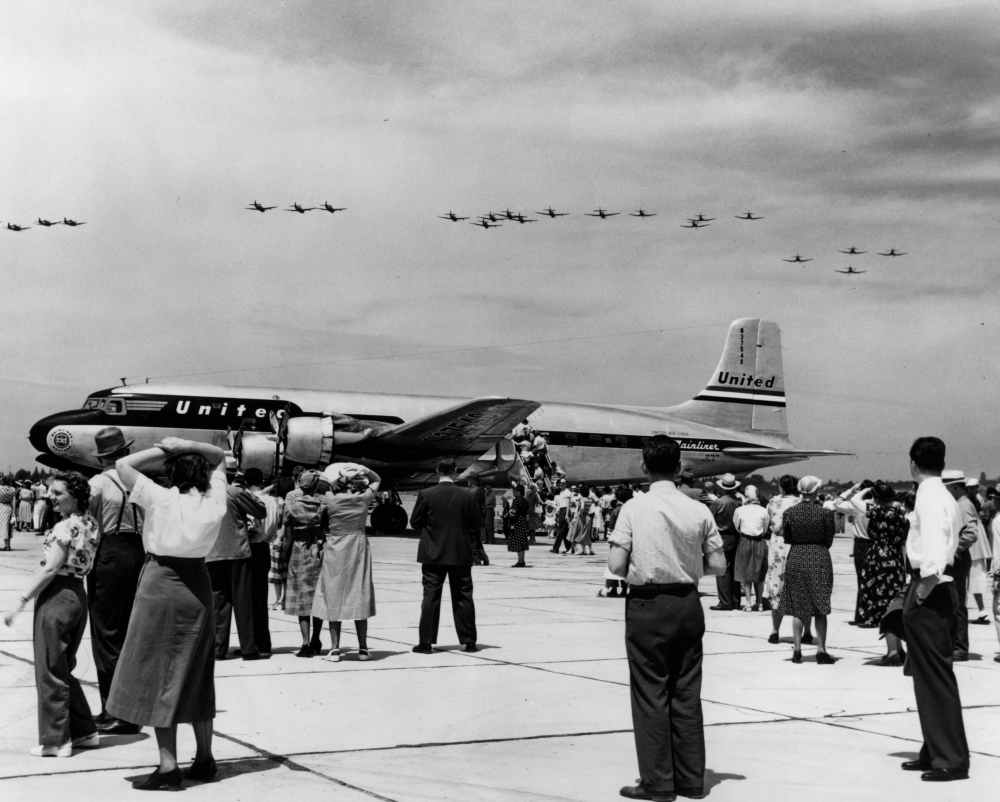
[{"x": 161, "y": 567}]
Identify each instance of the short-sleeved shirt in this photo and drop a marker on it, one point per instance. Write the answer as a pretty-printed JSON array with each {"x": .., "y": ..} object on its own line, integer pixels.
[
  {"x": 181, "y": 524},
  {"x": 109, "y": 505},
  {"x": 79, "y": 537},
  {"x": 751, "y": 520},
  {"x": 667, "y": 536}
]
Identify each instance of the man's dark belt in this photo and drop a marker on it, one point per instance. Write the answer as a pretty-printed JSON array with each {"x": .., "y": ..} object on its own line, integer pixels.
[{"x": 670, "y": 588}]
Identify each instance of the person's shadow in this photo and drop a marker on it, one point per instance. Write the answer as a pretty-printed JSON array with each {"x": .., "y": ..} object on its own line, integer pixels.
[
  {"x": 714, "y": 778},
  {"x": 227, "y": 770}
]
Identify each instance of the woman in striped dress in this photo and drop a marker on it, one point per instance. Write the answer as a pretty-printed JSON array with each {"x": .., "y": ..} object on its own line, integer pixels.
[{"x": 7, "y": 495}]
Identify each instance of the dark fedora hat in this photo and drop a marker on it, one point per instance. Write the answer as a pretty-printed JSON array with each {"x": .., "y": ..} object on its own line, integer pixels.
[{"x": 110, "y": 441}]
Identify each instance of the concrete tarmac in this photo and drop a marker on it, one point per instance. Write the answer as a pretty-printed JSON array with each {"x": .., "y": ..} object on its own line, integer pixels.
[{"x": 540, "y": 713}]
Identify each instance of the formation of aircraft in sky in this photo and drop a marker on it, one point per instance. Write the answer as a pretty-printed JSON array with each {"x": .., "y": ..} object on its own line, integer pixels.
[
  {"x": 852, "y": 250},
  {"x": 851, "y": 271},
  {"x": 797, "y": 259},
  {"x": 484, "y": 222},
  {"x": 45, "y": 223},
  {"x": 257, "y": 206},
  {"x": 640, "y": 212}
]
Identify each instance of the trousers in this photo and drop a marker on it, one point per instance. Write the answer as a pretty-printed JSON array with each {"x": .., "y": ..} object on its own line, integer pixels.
[
  {"x": 562, "y": 529},
  {"x": 463, "y": 609},
  {"x": 959, "y": 572},
  {"x": 232, "y": 593},
  {"x": 663, "y": 642},
  {"x": 928, "y": 628},
  {"x": 260, "y": 567},
  {"x": 60, "y": 619},
  {"x": 726, "y": 586},
  {"x": 111, "y": 587}
]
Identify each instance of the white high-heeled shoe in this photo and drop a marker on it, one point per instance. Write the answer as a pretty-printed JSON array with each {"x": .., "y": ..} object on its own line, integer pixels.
[{"x": 66, "y": 750}]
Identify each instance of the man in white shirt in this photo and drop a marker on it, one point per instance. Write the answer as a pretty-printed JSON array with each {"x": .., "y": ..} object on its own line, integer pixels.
[
  {"x": 954, "y": 481},
  {"x": 853, "y": 503},
  {"x": 929, "y": 615},
  {"x": 562, "y": 516},
  {"x": 662, "y": 544}
]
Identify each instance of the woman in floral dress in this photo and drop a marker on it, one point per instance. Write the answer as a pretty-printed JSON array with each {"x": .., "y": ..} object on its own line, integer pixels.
[{"x": 883, "y": 573}]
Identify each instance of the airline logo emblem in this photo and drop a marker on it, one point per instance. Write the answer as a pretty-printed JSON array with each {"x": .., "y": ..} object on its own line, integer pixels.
[
  {"x": 743, "y": 388},
  {"x": 60, "y": 440}
]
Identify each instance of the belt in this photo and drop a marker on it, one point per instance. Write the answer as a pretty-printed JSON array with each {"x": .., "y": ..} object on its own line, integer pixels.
[{"x": 670, "y": 588}]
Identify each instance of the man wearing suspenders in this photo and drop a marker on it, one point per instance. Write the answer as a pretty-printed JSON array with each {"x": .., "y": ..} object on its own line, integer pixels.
[{"x": 111, "y": 585}]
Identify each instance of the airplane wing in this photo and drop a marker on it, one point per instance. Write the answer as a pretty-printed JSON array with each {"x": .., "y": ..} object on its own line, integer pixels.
[
  {"x": 471, "y": 427},
  {"x": 780, "y": 454}
]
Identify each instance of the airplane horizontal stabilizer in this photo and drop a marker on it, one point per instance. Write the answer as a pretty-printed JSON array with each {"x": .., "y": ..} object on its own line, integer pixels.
[
  {"x": 781, "y": 454},
  {"x": 472, "y": 426}
]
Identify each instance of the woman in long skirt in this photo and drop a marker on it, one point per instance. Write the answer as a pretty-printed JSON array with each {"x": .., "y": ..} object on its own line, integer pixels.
[
  {"x": 519, "y": 534},
  {"x": 166, "y": 672},
  {"x": 777, "y": 555},
  {"x": 346, "y": 591},
  {"x": 7, "y": 496},
  {"x": 808, "y": 529},
  {"x": 64, "y": 718}
]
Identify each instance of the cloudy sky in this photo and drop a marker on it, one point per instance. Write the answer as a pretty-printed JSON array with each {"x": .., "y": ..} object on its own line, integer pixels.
[{"x": 874, "y": 124}]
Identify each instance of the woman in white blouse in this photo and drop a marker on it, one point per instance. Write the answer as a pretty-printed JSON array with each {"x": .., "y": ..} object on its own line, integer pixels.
[{"x": 165, "y": 674}]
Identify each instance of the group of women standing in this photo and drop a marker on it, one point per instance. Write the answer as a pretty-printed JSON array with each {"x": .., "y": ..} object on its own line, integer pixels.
[{"x": 324, "y": 567}]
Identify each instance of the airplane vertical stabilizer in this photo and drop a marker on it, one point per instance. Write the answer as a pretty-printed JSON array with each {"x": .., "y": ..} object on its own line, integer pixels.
[{"x": 747, "y": 390}]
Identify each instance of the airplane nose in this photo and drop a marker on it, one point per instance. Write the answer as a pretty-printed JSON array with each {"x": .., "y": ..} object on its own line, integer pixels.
[{"x": 39, "y": 432}]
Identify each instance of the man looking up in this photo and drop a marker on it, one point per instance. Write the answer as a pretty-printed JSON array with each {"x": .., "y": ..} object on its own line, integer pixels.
[
  {"x": 112, "y": 583},
  {"x": 929, "y": 616},
  {"x": 954, "y": 482},
  {"x": 662, "y": 544}
]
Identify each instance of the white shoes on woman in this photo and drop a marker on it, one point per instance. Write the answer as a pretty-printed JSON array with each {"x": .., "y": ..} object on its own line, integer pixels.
[{"x": 91, "y": 741}]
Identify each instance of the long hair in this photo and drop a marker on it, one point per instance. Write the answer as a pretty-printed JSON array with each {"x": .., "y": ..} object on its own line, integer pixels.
[
  {"x": 186, "y": 471},
  {"x": 77, "y": 486}
]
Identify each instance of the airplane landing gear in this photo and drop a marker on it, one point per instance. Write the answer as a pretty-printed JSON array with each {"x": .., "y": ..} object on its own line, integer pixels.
[{"x": 389, "y": 517}]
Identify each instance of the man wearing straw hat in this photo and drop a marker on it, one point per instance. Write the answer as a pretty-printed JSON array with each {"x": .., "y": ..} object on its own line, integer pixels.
[{"x": 723, "y": 508}]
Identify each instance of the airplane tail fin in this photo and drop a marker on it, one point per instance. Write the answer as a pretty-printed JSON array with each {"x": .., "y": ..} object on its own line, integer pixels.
[{"x": 747, "y": 390}]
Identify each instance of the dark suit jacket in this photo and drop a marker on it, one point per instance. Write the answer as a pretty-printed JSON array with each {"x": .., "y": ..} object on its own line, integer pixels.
[{"x": 448, "y": 519}]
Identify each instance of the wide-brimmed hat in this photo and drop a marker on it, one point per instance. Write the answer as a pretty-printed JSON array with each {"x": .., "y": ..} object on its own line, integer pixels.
[
  {"x": 727, "y": 482},
  {"x": 110, "y": 441},
  {"x": 953, "y": 476},
  {"x": 809, "y": 484}
]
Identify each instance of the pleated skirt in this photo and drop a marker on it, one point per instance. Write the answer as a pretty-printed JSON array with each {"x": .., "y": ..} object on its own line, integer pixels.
[{"x": 166, "y": 671}]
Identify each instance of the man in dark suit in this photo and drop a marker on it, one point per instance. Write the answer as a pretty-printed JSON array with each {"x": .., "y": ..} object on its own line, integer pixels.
[{"x": 448, "y": 519}]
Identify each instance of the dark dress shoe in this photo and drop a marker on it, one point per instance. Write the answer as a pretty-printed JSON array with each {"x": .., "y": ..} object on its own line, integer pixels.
[
  {"x": 825, "y": 659},
  {"x": 116, "y": 726},
  {"x": 796, "y": 656},
  {"x": 305, "y": 651},
  {"x": 915, "y": 765},
  {"x": 944, "y": 775},
  {"x": 423, "y": 648},
  {"x": 254, "y": 656},
  {"x": 639, "y": 792},
  {"x": 470, "y": 647},
  {"x": 773, "y": 638},
  {"x": 691, "y": 793},
  {"x": 157, "y": 781},
  {"x": 204, "y": 771},
  {"x": 807, "y": 639},
  {"x": 316, "y": 646}
]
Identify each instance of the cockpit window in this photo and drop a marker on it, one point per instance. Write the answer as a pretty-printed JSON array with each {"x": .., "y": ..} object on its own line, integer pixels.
[
  {"x": 115, "y": 406},
  {"x": 93, "y": 403}
]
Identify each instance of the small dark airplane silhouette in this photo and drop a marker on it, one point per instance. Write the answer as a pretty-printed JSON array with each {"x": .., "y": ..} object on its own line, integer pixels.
[
  {"x": 509, "y": 214},
  {"x": 602, "y": 213},
  {"x": 258, "y": 207},
  {"x": 43, "y": 222},
  {"x": 853, "y": 250},
  {"x": 702, "y": 219},
  {"x": 692, "y": 223},
  {"x": 851, "y": 271},
  {"x": 295, "y": 207},
  {"x": 640, "y": 212},
  {"x": 484, "y": 223},
  {"x": 493, "y": 217},
  {"x": 550, "y": 212},
  {"x": 333, "y": 209},
  {"x": 16, "y": 227},
  {"x": 892, "y": 252},
  {"x": 748, "y": 215},
  {"x": 797, "y": 258},
  {"x": 520, "y": 218},
  {"x": 452, "y": 216},
  {"x": 69, "y": 221}
]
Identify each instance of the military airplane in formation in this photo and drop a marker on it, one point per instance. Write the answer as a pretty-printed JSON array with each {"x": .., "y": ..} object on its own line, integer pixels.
[
  {"x": 550, "y": 212},
  {"x": 326, "y": 207},
  {"x": 520, "y": 218},
  {"x": 640, "y": 212},
  {"x": 798, "y": 259},
  {"x": 16, "y": 227},
  {"x": 735, "y": 424},
  {"x": 47, "y": 223},
  {"x": 748, "y": 215},
  {"x": 452, "y": 216},
  {"x": 892, "y": 252},
  {"x": 484, "y": 222},
  {"x": 851, "y": 271},
  {"x": 692, "y": 223},
  {"x": 701, "y": 218},
  {"x": 69, "y": 221},
  {"x": 259, "y": 207},
  {"x": 296, "y": 207},
  {"x": 852, "y": 250},
  {"x": 492, "y": 216},
  {"x": 602, "y": 213}
]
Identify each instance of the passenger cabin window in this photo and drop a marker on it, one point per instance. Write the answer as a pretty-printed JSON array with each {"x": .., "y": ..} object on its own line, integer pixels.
[{"x": 115, "y": 406}]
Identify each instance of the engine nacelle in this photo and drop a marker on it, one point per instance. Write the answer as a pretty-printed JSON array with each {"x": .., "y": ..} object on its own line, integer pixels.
[
  {"x": 311, "y": 440},
  {"x": 257, "y": 450}
]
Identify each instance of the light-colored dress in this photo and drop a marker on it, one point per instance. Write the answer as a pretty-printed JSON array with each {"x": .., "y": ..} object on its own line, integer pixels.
[
  {"x": 346, "y": 591},
  {"x": 7, "y": 495},
  {"x": 777, "y": 549}
]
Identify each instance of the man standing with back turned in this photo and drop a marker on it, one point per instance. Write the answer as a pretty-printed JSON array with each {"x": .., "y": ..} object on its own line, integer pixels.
[
  {"x": 662, "y": 544},
  {"x": 448, "y": 519},
  {"x": 929, "y": 616}
]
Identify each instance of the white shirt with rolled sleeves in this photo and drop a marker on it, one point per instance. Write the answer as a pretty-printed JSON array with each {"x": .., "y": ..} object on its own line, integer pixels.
[
  {"x": 751, "y": 520},
  {"x": 934, "y": 526},
  {"x": 667, "y": 536},
  {"x": 181, "y": 524}
]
